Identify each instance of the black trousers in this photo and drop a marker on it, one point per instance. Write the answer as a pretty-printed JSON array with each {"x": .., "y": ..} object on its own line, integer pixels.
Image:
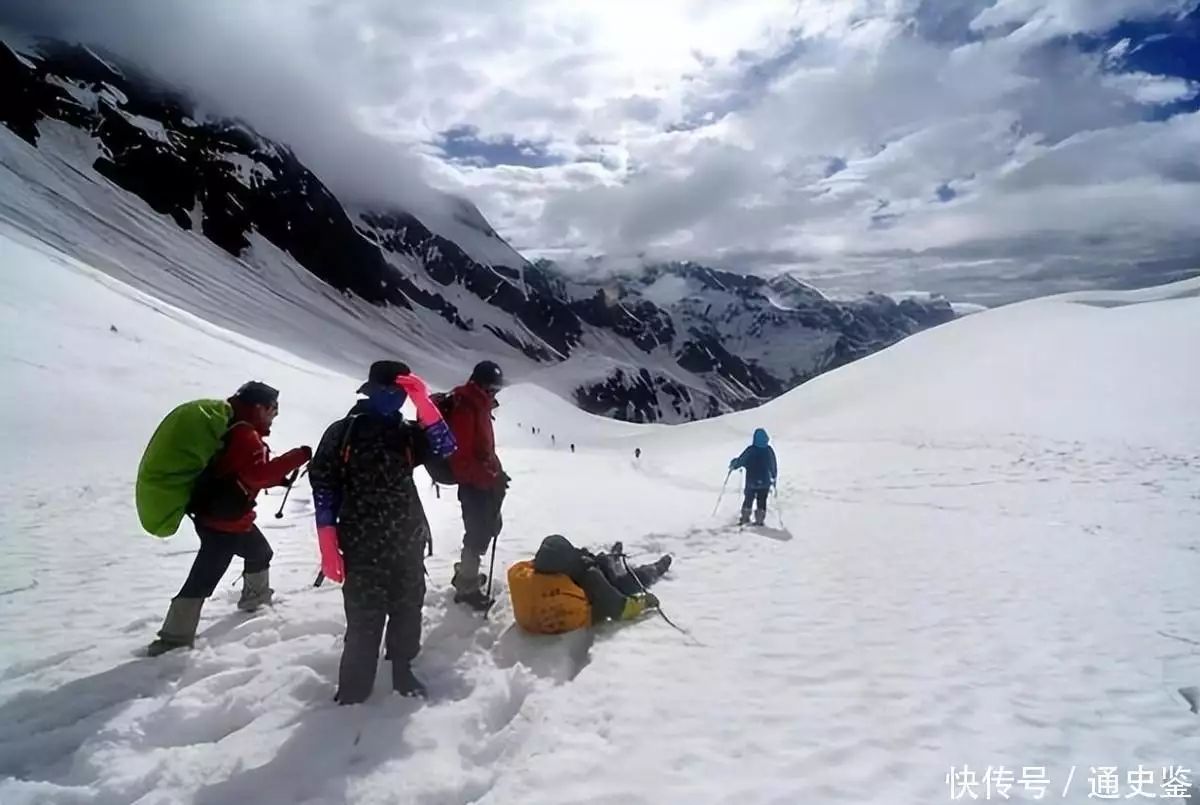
[
  {"x": 394, "y": 618},
  {"x": 217, "y": 549},
  {"x": 482, "y": 520},
  {"x": 614, "y": 570},
  {"x": 755, "y": 496},
  {"x": 607, "y": 584}
]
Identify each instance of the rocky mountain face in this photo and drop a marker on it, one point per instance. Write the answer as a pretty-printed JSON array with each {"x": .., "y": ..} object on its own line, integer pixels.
[
  {"x": 667, "y": 343},
  {"x": 751, "y": 338}
]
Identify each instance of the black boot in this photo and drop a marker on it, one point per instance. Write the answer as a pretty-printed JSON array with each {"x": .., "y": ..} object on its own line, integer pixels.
[
  {"x": 405, "y": 682},
  {"x": 745, "y": 518},
  {"x": 475, "y": 599},
  {"x": 459, "y": 583},
  {"x": 468, "y": 583}
]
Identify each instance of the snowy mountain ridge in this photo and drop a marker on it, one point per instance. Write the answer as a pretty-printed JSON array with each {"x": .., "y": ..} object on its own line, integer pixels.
[{"x": 673, "y": 343}]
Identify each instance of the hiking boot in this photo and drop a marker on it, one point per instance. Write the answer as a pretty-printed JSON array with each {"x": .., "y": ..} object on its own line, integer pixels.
[
  {"x": 760, "y": 517},
  {"x": 464, "y": 585},
  {"x": 475, "y": 599},
  {"x": 179, "y": 627},
  {"x": 256, "y": 591},
  {"x": 745, "y": 517},
  {"x": 618, "y": 548},
  {"x": 663, "y": 564},
  {"x": 405, "y": 682}
]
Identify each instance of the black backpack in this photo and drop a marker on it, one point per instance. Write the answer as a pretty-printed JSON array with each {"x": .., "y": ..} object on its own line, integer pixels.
[
  {"x": 439, "y": 470},
  {"x": 221, "y": 497},
  {"x": 444, "y": 400},
  {"x": 438, "y": 467}
]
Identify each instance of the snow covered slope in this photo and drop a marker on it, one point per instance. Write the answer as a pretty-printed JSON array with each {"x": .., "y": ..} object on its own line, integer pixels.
[{"x": 984, "y": 553}]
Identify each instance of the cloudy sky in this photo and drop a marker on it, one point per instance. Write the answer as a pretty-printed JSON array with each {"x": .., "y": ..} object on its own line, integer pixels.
[{"x": 990, "y": 149}]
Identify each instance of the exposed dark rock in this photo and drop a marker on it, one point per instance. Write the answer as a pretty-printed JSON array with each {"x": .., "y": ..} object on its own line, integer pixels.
[{"x": 728, "y": 335}]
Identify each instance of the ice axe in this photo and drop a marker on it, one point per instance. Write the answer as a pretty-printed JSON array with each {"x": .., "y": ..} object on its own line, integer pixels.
[{"x": 296, "y": 476}]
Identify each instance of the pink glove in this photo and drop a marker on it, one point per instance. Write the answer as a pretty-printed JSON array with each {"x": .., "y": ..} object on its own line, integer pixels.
[
  {"x": 331, "y": 557},
  {"x": 418, "y": 392},
  {"x": 428, "y": 415}
]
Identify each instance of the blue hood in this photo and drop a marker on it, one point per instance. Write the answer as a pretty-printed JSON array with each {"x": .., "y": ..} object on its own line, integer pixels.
[{"x": 761, "y": 439}]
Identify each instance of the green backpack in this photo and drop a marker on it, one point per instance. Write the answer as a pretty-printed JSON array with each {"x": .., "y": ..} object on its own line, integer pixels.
[{"x": 179, "y": 451}]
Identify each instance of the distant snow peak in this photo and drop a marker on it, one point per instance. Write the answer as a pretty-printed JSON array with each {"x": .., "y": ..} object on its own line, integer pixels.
[{"x": 661, "y": 342}]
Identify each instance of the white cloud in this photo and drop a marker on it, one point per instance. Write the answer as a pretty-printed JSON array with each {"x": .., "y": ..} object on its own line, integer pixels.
[
  {"x": 706, "y": 130},
  {"x": 1055, "y": 17}
]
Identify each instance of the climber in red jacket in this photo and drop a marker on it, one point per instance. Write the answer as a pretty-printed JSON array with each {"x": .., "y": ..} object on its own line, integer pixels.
[
  {"x": 222, "y": 504},
  {"x": 481, "y": 478}
]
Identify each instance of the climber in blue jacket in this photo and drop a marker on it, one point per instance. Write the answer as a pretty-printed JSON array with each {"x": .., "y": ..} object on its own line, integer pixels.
[{"x": 761, "y": 471}]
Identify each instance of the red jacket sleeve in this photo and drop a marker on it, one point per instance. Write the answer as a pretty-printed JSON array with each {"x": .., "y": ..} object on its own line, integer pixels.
[{"x": 249, "y": 459}]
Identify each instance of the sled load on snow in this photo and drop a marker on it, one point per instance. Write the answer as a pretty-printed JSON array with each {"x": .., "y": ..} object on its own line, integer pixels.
[{"x": 564, "y": 588}]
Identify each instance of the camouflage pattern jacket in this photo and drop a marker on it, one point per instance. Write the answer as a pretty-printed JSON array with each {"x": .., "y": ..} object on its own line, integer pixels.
[{"x": 367, "y": 476}]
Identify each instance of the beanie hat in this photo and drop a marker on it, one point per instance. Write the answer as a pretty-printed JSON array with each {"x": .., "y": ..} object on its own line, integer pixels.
[
  {"x": 257, "y": 393},
  {"x": 488, "y": 375}
]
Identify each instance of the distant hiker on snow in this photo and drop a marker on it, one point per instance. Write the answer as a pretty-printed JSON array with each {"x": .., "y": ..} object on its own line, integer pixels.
[
  {"x": 637, "y": 453},
  {"x": 221, "y": 500},
  {"x": 481, "y": 479},
  {"x": 761, "y": 471},
  {"x": 565, "y": 588},
  {"x": 372, "y": 530}
]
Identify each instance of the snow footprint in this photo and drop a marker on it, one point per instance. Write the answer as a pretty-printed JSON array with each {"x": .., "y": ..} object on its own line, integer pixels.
[
  {"x": 203, "y": 712},
  {"x": 495, "y": 732}
]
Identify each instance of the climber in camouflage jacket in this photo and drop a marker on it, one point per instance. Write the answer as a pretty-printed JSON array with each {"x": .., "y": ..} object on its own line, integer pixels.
[{"x": 362, "y": 485}]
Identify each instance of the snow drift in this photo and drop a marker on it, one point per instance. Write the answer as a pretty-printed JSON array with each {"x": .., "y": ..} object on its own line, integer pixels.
[{"x": 983, "y": 553}]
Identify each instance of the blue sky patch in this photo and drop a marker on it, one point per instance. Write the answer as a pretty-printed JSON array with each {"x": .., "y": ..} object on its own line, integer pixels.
[
  {"x": 464, "y": 144},
  {"x": 1168, "y": 45}
]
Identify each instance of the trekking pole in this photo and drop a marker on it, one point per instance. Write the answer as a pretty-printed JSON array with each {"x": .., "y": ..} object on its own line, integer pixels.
[
  {"x": 495, "y": 538},
  {"x": 658, "y": 608},
  {"x": 723, "y": 485},
  {"x": 491, "y": 572},
  {"x": 296, "y": 476},
  {"x": 778, "y": 507}
]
